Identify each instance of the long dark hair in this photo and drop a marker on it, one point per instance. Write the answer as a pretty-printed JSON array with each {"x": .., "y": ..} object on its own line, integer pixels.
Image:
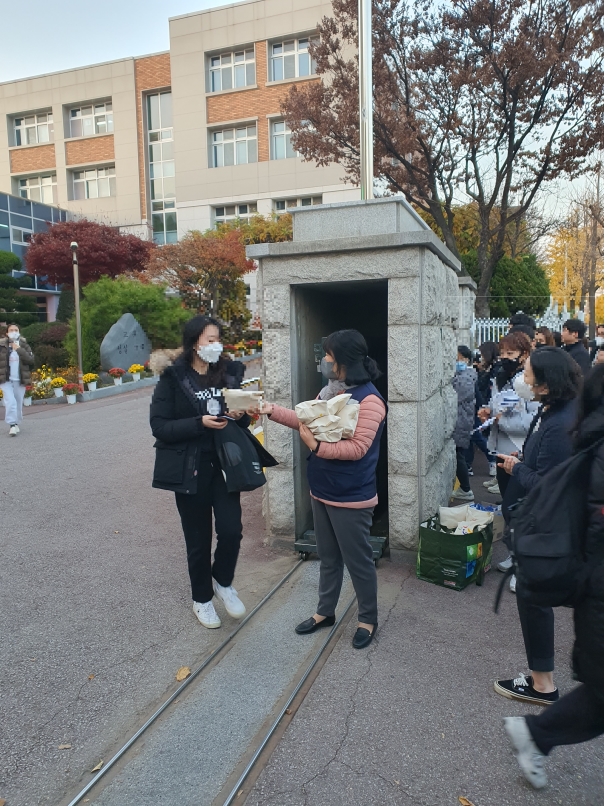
[
  {"x": 489, "y": 353},
  {"x": 191, "y": 333},
  {"x": 350, "y": 351},
  {"x": 590, "y": 409},
  {"x": 556, "y": 369}
]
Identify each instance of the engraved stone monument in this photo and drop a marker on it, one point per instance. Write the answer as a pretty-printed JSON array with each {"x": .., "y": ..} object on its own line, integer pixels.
[{"x": 126, "y": 343}]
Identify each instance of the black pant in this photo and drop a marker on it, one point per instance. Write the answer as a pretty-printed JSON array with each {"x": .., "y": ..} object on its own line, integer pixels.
[
  {"x": 576, "y": 717},
  {"x": 502, "y": 477},
  {"x": 538, "y": 626},
  {"x": 462, "y": 469},
  {"x": 196, "y": 518}
]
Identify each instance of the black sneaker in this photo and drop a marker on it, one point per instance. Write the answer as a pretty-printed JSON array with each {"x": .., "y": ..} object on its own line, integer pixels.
[{"x": 521, "y": 688}]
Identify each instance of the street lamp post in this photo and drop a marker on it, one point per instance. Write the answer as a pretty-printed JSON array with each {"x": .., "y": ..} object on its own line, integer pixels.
[
  {"x": 74, "y": 260},
  {"x": 366, "y": 122}
]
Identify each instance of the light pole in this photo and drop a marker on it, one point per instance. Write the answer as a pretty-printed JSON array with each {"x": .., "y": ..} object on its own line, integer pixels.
[
  {"x": 366, "y": 121},
  {"x": 74, "y": 260}
]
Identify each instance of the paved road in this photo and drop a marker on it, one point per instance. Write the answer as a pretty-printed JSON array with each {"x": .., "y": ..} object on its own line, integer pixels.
[{"x": 95, "y": 612}]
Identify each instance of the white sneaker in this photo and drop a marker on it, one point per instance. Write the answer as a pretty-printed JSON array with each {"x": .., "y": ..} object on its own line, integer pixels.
[
  {"x": 505, "y": 564},
  {"x": 206, "y": 615},
  {"x": 530, "y": 759},
  {"x": 489, "y": 483},
  {"x": 460, "y": 494},
  {"x": 513, "y": 584},
  {"x": 492, "y": 468},
  {"x": 494, "y": 489},
  {"x": 13, "y": 430},
  {"x": 228, "y": 596}
]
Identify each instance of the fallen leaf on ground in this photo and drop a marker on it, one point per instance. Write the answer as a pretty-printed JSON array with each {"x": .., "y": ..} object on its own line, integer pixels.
[
  {"x": 116, "y": 533},
  {"x": 465, "y": 801},
  {"x": 64, "y": 747},
  {"x": 98, "y": 767},
  {"x": 2, "y": 801},
  {"x": 288, "y": 711},
  {"x": 91, "y": 676},
  {"x": 183, "y": 673}
]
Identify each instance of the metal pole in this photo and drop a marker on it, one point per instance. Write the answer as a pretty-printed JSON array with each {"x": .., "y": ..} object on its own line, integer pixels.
[
  {"x": 366, "y": 122},
  {"x": 74, "y": 253}
]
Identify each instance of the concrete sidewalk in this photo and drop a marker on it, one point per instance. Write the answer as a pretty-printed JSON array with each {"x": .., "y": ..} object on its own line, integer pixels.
[{"x": 414, "y": 721}]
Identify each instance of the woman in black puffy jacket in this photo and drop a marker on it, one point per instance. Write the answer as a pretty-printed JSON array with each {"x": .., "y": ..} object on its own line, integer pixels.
[{"x": 578, "y": 716}]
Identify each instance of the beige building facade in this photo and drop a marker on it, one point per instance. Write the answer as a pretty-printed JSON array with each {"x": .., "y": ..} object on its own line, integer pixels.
[{"x": 161, "y": 144}]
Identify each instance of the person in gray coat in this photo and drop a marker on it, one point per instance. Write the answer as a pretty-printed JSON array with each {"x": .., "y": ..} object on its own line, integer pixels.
[{"x": 464, "y": 383}]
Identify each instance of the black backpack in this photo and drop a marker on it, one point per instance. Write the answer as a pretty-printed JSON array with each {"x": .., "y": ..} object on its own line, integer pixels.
[{"x": 548, "y": 530}]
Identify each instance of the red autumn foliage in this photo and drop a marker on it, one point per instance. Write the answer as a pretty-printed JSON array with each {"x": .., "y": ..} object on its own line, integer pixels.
[{"x": 102, "y": 250}]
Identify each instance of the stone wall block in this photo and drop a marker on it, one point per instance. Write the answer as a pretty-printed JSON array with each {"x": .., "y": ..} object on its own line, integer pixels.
[
  {"x": 276, "y": 366},
  {"x": 431, "y": 435},
  {"x": 438, "y": 483},
  {"x": 404, "y": 301},
  {"x": 403, "y": 363},
  {"x": 452, "y": 297},
  {"x": 449, "y": 347},
  {"x": 403, "y": 500},
  {"x": 431, "y": 360},
  {"x": 279, "y": 501},
  {"x": 276, "y": 307},
  {"x": 433, "y": 290},
  {"x": 402, "y": 438},
  {"x": 278, "y": 441}
]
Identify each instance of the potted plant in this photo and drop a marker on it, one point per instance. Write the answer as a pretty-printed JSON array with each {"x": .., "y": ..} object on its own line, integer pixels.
[
  {"x": 116, "y": 373},
  {"x": 90, "y": 379},
  {"x": 57, "y": 385},
  {"x": 29, "y": 393},
  {"x": 71, "y": 390},
  {"x": 135, "y": 370}
]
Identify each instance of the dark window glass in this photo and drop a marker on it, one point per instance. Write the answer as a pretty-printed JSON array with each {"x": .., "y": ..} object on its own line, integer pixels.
[
  {"x": 40, "y": 226},
  {"x": 18, "y": 205},
  {"x": 19, "y": 249},
  {"x": 42, "y": 211},
  {"x": 3, "y": 202},
  {"x": 21, "y": 221},
  {"x": 3, "y": 219}
]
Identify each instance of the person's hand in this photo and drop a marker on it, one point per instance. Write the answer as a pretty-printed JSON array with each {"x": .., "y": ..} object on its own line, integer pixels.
[
  {"x": 213, "y": 422},
  {"x": 515, "y": 453},
  {"x": 236, "y": 415},
  {"x": 15, "y": 346},
  {"x": 307, "y": 437},
  {"x": 508, "y": 462},
  {"x": 265, "y": 408},
  {"x": 484, "y": 413},
  {"x": 253, "y": 411}
]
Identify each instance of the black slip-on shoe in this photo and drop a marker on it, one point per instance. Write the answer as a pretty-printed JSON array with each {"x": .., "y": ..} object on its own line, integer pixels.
[
  {"x": 363, "y": 637},
  {"x": 521, "y": 688},
  {"x": 310, "y": 625}
]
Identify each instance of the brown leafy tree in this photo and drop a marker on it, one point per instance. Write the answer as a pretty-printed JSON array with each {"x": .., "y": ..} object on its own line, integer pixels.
[
  {"x": 102, "y": 251},
  {"x": 482, "y": 100}
]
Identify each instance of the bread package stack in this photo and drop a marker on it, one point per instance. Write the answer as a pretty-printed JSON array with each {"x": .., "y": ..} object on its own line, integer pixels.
[{"x": 330, "y": 420}]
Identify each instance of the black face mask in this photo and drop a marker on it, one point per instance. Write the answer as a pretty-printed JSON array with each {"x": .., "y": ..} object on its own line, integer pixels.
[{"x": 510, "y": 365}]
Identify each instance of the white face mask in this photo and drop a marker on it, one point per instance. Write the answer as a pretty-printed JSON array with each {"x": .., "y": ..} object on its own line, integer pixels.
[
  {"x": 210, "y": 353},
  {"x": 14, "y": 335},
  {"x": 599, "y": 341},
  {"x": 524, "y": 390}
]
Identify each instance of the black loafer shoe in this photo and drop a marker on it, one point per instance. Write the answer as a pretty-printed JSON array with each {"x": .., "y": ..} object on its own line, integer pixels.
[
  {"x": 310, "y": 625},
  {"x": 363, "y": 637}
]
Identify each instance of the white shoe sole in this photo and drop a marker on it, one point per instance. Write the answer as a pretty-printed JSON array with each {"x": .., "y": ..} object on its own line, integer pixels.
[
  {"x": 510, "y": 696},
  {"x": 236, "y": 614},
  {"x": 519, "y": 741},
  {"x": 209, "y": 625}
]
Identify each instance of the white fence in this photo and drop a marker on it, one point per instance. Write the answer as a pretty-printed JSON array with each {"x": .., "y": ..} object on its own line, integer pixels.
[{"x": 493, "y": 329}]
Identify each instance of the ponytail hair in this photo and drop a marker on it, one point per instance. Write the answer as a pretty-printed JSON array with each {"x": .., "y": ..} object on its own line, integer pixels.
[{"x": 350, "y": 351}]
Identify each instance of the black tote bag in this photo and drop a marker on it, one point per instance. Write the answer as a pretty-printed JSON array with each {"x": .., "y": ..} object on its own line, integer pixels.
[{"x": 242, "y": 458}]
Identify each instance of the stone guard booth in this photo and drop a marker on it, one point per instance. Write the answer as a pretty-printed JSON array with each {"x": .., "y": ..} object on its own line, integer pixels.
[{"x": 377, "y": 267}]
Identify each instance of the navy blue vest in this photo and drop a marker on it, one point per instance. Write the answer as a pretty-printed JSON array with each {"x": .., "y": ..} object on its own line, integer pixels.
[{"x": 347, "y": 481}]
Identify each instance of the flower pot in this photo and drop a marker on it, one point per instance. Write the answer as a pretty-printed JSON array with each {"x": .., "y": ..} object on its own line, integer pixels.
[
  {"x": 136, "y": 376},
  {"x": 117, "y": 381},
  {"x": 58, "y": 392},
  {"x": 27, "y": 401},
  {"x": 71, "y": 399},
  {"x": 92, "y": 386}
]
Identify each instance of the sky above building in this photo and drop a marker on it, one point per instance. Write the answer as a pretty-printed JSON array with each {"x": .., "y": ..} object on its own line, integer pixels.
[{"x": 43, "y": 37}]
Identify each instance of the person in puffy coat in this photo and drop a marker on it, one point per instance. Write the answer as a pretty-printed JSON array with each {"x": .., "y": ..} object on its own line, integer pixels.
[
  {"x": 578, "y": 716},
  {"x": 464, "y": 383},
  {"x": 16, "y": 362}
]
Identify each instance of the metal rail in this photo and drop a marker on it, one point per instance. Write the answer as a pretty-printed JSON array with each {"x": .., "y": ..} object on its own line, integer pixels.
[
  {"x": 234, "y": 792},
  {"x": 181, "y": 688}
]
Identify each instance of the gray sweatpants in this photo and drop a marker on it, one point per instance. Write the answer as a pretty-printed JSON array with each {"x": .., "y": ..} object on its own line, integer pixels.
[{"x": 342, "y": 536}]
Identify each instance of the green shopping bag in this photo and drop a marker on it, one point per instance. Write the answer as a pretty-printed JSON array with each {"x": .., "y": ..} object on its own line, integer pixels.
[{"x": 450, "y": 560}]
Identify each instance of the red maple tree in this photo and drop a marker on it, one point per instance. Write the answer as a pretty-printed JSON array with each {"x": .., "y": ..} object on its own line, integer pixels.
[{"x": 102, "y": 251}]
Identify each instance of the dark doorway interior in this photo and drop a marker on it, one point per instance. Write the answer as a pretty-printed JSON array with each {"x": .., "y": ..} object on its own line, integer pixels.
[{"x": 317, "y": 311}]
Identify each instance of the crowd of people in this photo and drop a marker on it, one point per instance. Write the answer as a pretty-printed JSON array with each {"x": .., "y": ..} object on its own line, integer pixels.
[{"x": 538, "y": 398}]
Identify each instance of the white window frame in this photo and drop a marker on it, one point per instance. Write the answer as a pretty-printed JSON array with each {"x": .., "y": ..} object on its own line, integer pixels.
[
  {"x": 281, "y": 141},
  {"x": 290, "y": 59},
  {"x": 233, "y": 212},
  {"x": 235, "y": 70},
  {"x": 93, "y": 181},
  {"x": 34, "y": 129},
  {"x": 237, "y": 145},
  {"x": 40, "y": 188},
  {"x": 22, "y": 232},
  {"x": 281, "y": 206},
  {"x": 96, "y": 118}
]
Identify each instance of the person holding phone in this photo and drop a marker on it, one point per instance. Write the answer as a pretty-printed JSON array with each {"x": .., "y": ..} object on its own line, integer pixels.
[
  {"x": 187, "y": 410},
  {"x": 16, "y": 361}
]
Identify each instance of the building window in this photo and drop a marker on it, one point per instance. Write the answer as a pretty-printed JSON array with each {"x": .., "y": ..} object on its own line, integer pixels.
[
  {"x": 34, "y": 129},
  {"x": 160, "y": 155},
  {"x": 232, "y": 70},
  {"x": 234, "y": 146},
  {"x": 39, "y": 188},
  {"x": 291, "y": 59},
  {"x": 95, "y": 183},
  {"x": 231, "y": 212},
  {"x": 84, "y": 121},
  {"x": 21, "y": 235},
  {"x": 283, "y": 205},
  {"x": 281, "y": 141}
]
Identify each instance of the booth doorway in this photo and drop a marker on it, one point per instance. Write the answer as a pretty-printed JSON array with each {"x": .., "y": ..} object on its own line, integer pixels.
[{"x": 318, "y": 310}]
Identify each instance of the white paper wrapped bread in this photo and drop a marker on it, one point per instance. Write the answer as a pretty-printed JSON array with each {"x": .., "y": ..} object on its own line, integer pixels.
[
  {"x": 329, "y": 420},
  {"x": 242, "y": 399}
]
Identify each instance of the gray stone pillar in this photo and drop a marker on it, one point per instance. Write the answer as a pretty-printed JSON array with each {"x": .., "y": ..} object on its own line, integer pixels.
[
  {"x": 466, "y": 316},
  {"x": 357, "y": 244}
]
